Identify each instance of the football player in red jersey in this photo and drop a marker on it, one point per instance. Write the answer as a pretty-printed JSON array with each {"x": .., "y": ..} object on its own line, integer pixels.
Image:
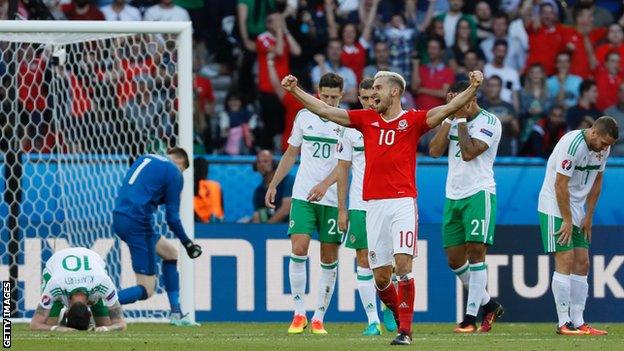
[{"x": 391, "y": 137}]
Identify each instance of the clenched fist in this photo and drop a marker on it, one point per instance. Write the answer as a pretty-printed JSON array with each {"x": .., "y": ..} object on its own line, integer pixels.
[
  {"x": 476, "y": 78},
  {"x": 289, "y": 83}
]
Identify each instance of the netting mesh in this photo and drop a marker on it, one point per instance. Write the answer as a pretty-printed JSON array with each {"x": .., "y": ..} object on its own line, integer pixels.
[{"x": 76, "y": 110}]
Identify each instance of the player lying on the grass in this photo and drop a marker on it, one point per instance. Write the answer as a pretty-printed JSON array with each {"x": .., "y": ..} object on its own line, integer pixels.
[
  {"x": 153, "y": 180},
  {"x": 471, "y": 137},
  {"x": 390, "y": 139},
  {"x": 76, "y": 278},
  {"x": 352, "y": 222},
  {"x": 313, "y": 207},
  {"x": 566, "y": 207}
]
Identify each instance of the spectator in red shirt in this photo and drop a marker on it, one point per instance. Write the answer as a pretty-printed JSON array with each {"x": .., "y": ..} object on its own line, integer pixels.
[
  {"x": 580, "y": 42},
  {"x": 615, "y": 42},
  {"x": 291, "y": 105},
  {"x": 278, "y": 41},
  {"x": 545, "y": 36},
  {"x": 431, "y": 81},
  {"x": 546, "y": 133},
  {"x": 354, "y": 48},
  {"x": 82, "y": 10},
  {"x": 609, "y": 77}
]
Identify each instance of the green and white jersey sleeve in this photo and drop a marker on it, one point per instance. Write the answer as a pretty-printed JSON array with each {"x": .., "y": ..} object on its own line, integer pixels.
[
  {"x": 317, "y": 138},
  {"x": 351, "y": 148},
  {"x": 77, "y": 269},
  {"x": 466, "y": 178},
  {"x": 571, "y": 158}
]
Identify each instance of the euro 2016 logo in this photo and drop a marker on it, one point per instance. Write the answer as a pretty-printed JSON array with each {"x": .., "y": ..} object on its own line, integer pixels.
[{"x": 566, "y": 165}]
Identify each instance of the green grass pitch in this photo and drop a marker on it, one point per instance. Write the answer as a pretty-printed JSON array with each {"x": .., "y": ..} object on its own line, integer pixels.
[{"x": 342, "y": 336}]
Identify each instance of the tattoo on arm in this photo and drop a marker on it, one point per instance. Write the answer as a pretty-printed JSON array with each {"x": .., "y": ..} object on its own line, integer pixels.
[
  {"x": 115, "y": 312},
  {"x": 470, "y": 148}
]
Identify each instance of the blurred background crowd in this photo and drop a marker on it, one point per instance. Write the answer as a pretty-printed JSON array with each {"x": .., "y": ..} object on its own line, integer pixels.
[{"x": 550, "y": 66}]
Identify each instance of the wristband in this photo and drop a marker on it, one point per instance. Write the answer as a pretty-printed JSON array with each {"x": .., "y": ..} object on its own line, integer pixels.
[
  {"x": 54, "y": 327},
  {"x": 460, "y": 120}
]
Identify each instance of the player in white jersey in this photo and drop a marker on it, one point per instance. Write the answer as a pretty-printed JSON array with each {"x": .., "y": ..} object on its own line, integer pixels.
[
  {"x": 566, "y": 207},
  {"x": 76, "y": 278},
  {"x": 352, "y": 222},
  {"x": 314, "y": 203},
  {"x": 472, "y": 139}
]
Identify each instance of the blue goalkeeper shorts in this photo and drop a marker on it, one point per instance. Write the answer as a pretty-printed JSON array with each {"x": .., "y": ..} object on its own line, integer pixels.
[{"x": 141, "y": 240}]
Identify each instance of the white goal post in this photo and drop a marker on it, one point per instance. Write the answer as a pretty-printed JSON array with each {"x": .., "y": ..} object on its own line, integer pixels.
[{"x": 83, "y": 161}]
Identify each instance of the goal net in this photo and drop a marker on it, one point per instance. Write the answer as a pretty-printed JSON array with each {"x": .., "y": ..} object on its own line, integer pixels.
[{"x": 80, "y": 101}]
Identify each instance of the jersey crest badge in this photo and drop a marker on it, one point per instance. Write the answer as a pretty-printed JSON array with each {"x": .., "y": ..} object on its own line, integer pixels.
[
  {"x": 337, "y": 130},
  {"x": 402, "y": 124},
  {"x": 566, "y": 164},
  {"x": 310, "y": 127}
]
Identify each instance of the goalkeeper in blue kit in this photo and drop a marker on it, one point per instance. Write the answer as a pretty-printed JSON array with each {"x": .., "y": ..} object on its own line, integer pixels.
[{"x": 153, "y": 180}]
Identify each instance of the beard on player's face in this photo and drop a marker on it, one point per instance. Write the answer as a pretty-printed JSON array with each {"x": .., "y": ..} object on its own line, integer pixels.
[{"x": 382, "y": 101}]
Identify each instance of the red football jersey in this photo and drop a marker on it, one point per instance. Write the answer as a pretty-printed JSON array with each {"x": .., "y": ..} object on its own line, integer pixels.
[{"x": 390, "y": 152}]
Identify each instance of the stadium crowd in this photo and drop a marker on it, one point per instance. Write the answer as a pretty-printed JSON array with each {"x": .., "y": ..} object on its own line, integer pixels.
[{"x": 550, "y": 66}]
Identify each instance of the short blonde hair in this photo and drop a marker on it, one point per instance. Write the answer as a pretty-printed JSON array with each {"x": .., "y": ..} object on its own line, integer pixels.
[{"x": 394, "y": 78}]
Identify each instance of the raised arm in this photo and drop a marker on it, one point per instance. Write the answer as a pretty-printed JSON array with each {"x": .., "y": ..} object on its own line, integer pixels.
[
  {"x": 470, "y": 147},
  {"x": 330, "y": 16},
  {"x": 242, "y": 13},
  {"x": 316, "y": 106},
  {"x": 440, "y": 142},
  {"x": 368, "y": 22},
  {"x": 273, "y": 77},
  {"x": 436, "y": 115}
]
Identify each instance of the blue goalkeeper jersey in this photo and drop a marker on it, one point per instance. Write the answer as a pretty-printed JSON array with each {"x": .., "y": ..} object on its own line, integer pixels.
[{"x": 152, "y": 180}]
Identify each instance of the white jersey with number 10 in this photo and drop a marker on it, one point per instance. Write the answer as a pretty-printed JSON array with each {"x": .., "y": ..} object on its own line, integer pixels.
[{"x": 77, "y": 269}]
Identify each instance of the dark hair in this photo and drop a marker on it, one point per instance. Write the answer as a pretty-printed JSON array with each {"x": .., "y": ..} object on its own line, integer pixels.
[
  {"x": 438, "y": 40},
  {"x": 458, "y": 87},
  {"x": 331, "y": 80},
  {"x": 78, "y": 316},
  {"x": 501, "y": 15},
  {"x": 344, "y": 26},
  {"x": 366, "y": 83},
  {"x": 576, "y": 10},
  {"x": 232, "y": 94},
  {"x": 496, "y": 77},
  {"x": 180, "y": 153},
  {"x": 606, "y": 125},
  {"x": 472, "y": 51},
  {"x": 200, "y": 169},
  {"x": 585, "y": 86},
  {"x": 498, "y": 42},
  {"x": 557, "y": 107}
]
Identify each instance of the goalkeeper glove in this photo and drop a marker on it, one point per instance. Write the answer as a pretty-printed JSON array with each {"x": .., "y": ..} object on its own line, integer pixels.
[{"x": 193, "y": 250}]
